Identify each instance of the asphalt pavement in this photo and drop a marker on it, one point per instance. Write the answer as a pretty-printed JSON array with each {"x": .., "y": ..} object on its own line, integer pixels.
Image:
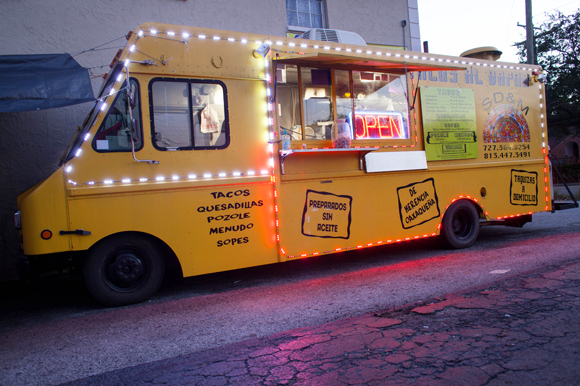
[{"x": 522, "y": 330}]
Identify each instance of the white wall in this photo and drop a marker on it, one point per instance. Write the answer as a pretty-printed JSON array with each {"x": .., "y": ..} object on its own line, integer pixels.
[{"x": 31, "y": 143}]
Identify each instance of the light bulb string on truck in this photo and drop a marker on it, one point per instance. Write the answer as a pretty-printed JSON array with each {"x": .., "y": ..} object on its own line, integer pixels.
[{"x": 273, "y": 99}]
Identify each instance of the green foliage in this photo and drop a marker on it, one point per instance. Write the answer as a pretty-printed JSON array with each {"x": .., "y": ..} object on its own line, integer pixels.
[{"x": 558, "y": 53}]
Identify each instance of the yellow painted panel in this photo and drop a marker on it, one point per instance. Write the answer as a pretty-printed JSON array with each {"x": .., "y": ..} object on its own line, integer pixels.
[
  {"x": 385, "y": 208},
  {"x": 210, "y": 229},
  {"x": 44, "y": 207}
]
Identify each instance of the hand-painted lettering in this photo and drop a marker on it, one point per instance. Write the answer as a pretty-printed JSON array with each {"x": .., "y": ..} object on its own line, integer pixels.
[
  {"x": 233, "y": 228},
  {"x": 492, "y": 78},
  {"x": 237, "y": 205},
  {"x": 418, "y": 203},
  {"x": 509, "y": 78},
  {"x": 489, "y": 77},
  {"x": 419, "y": 211},
  {"x": 486, "y": 104},
  {"x": 228, "y": 217},
  {"x": 477, "y": 81},
  {"x": 327, "y": 205},
  {"x": 230, "y": 194},
  {"x": 525, "y": 179},
  {"x": 524, "y": 187},
  {"x": 499, "y": 97},
  {"x": 221, "y": 218},
  {"x": 327, "y": 228},
  {"x": 452, "y": 76},
  {"x": 326, "y": 215},
  {"x": 239, "y": 240},
  {"x": 468, "y": 76}
]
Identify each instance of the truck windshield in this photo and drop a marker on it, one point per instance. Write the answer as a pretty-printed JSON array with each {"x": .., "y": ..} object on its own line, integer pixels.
[{"x": 79, "y": 135}]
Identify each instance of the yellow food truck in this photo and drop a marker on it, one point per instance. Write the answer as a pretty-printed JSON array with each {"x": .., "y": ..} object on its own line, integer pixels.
[{"x": 224, "y": 150}]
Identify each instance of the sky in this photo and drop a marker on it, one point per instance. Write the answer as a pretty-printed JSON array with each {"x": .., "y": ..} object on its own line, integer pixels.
[{"x": 454, "y": 26}]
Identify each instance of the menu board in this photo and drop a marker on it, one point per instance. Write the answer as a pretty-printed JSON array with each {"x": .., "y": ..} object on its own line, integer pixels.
[{"x": 449, "y": 123}]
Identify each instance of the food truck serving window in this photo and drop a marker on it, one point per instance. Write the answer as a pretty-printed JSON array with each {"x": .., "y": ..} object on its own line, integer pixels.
[
  {"x": 373, "y": 103},
  {"x": 114, "y": 134},
  {"x": 188, "y": 114}
]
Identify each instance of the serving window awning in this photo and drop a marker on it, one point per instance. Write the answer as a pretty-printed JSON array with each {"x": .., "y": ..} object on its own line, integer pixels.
[
  {"x": 38, "y": 82},
  {"x": 352, "y": 62}
]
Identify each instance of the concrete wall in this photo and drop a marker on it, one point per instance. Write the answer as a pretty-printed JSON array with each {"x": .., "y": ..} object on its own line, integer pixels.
[{"x": 31, "y": 143}]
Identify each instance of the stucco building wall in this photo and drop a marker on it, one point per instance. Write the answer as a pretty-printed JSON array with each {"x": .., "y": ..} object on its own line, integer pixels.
[{"x": 31, "y": 143}]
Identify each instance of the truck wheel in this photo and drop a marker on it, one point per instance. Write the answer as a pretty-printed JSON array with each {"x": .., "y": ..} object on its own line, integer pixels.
[
  {"x": 124, "y": 269},
  {"x": 460, "y": 225}
]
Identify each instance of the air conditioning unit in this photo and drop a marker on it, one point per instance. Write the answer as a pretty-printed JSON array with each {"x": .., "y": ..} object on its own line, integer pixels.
[{"x": 333, "y": 35}]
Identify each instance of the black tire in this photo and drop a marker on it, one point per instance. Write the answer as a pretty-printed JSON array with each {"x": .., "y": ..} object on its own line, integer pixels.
[
  {"x": 460, "y": 225},
  {"x": 124, "y": 269}
]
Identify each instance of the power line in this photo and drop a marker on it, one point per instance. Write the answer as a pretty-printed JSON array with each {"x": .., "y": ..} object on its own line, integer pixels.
[
  {"x": 98, "y": 48},
  {"x": 557, "y": 8}
]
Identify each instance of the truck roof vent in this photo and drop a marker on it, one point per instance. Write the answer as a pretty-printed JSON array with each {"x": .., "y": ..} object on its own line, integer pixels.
[
  {"x": 333, "y": 35},
  {"x": 486, "y": 53}
]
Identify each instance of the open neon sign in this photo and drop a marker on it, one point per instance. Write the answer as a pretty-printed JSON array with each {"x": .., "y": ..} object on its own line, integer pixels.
[{"x": 378, "y": 125}]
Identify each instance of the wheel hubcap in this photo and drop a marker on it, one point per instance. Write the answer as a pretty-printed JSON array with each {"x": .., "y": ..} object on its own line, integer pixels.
[
  {"x": 126, "y": 270},
  {"x": 461, "y": 224}
]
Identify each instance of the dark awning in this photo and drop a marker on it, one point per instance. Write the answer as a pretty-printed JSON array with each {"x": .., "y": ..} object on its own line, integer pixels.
[{"x": 38, "y": 82}]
